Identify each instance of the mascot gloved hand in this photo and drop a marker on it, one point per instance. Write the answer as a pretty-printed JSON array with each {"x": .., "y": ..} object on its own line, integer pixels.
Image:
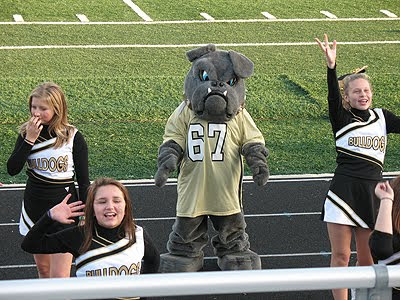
[{"x": 206, "y": 138}]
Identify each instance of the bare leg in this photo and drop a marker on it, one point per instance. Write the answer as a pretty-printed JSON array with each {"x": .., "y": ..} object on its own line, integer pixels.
[
  {"x": 364, "y": 257},
  {"x": 340, "y": 239},
  {"x": 42, "y": 265},
  {"x": 60, "y": 265}
]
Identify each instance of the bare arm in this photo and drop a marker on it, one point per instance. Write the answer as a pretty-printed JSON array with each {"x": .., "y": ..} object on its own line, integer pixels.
[{"x": 385, "y": 193}]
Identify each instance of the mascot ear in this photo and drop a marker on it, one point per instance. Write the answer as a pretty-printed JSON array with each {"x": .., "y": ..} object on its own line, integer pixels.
[
  {"x": 198, "y": 52},
  {"x": 242, "y": 66}
]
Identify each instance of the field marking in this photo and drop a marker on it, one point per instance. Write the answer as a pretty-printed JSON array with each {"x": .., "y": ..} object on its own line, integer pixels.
[
  {"x": 284, "y": 214},
  {"x": 204, "y": 21},
  {"x": 18, "y": 18},
  {"x": 246, "y": 179},
  {"x": 328, "y": 14},
  {"x": 322, "y": 253},
  {"x": 207, "y": 16},
  {"x": 187, "y": 45},
  {"x": 138, "y": 10},
  {"x": 268, "y": 15},
  {"x": 82, "y": 18},
  {"x": 388, "y": 13}
]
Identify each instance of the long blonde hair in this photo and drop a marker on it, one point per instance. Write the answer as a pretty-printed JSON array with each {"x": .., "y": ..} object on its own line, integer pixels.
[
  {"x": 55, "y": 98},
  {"x": 127, "y": 224}
]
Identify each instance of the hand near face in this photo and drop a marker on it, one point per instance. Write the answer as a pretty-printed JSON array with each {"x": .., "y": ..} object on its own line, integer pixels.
[
  {"x": 330, "y": 53},
  {"x": 384, "y": 190},
  {"x": 33, "y": 128},
  {"x": 64, "y": 212}
]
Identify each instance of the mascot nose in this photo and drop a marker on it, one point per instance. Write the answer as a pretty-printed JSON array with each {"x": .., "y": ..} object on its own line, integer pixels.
[{"x": 216, "y": 83}]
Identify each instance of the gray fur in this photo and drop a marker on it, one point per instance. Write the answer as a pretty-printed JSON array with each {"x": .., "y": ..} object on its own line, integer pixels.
[
  {"x": 169, "y": 155},
  {"x": 215, "y": 99},
  {"x": 256, "y": 158}
]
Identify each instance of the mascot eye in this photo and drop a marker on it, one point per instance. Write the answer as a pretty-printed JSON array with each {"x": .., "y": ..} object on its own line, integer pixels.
[
  {"x": 231, "y": 82},
  {"x": 204, "y": 76}
]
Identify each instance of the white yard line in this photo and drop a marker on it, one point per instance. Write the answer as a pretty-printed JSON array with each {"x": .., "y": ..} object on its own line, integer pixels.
[
  {"x": 82, "y": 18},
  {"x": 138, "y": 11},
  {"x": 268, "y": 15},
  {"x": 207, "y": 16},
  {"x": 188, "y": 45},
  {"x": 328, "y": 14},
  {"x": 18, "y": 18},
  {"x": 388, "y": 13},
  {"x": 205, "y": 21}
]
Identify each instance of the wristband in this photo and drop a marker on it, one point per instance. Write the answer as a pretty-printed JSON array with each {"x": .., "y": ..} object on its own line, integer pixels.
[
  {"x": 29, "y": 142},
  {"x": 49, "y": 214},
  {"x": 387, "y": 198}
]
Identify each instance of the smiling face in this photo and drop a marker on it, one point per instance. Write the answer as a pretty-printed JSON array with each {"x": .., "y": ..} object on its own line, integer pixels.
[
  {"x": 109, "y": 206},
  {"x": 359, "y": 94},
  {"x": 40, "y": 108}
]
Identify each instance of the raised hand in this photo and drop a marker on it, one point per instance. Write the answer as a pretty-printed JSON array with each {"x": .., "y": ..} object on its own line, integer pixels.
[
  {"x": 384, "y": 190},
  {"x": 33, "y": 128},
  {"x": 330, "y": 53},
  {"x": 64, "y": 212}
]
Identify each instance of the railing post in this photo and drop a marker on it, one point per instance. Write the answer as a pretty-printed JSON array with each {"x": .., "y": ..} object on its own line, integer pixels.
[{"x": 381, "y": 290}]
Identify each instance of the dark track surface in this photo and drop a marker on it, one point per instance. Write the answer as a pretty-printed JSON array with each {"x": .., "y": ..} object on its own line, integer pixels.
[{"x": 283, "y": 223}]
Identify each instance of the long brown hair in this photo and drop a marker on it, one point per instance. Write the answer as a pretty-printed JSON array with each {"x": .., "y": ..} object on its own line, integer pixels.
[
  {"x": 127, "y": 224},
  {"x": 395, "y": 184},
  {"x": 55, "y": 98}
]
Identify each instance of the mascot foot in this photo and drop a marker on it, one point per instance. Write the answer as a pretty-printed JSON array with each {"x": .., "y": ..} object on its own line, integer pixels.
[
  {"x": 170, "y": 263},
  {"x": 245, "y": 260}
]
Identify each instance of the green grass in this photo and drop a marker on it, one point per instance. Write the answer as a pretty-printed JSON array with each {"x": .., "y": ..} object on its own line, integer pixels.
[
  {"x": 116, "y": 10},
  {"x": 177, "y": 34},
  {"x": 120, "y": 98}
]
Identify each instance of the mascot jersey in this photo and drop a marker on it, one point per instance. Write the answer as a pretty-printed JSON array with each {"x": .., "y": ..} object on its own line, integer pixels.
[{"x": 211, "y": 170}]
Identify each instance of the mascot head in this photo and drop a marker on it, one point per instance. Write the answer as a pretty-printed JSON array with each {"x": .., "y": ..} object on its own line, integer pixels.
[{"x": 214, "y": 86}]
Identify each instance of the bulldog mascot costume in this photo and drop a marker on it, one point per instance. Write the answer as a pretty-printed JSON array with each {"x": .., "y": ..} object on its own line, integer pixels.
[{"x": 205, "y": 139}]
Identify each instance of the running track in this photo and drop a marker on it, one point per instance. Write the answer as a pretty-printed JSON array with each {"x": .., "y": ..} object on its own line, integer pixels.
[{"x": 282, "y": 222}]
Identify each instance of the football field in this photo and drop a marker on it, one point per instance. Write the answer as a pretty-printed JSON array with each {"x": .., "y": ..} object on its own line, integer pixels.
[{"x": 122, "y": 66}]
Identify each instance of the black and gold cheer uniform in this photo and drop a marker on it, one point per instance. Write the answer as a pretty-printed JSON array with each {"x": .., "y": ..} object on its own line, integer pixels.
[
  {"x": 109, "y": 254},
  {"x": 385, "y": 249},
  {"x": 51, "y": 172},
  {"x": 360, "y": 137}
]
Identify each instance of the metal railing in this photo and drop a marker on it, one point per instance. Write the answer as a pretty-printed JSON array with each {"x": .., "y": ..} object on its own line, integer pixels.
[{"x": 372, "y": 282}]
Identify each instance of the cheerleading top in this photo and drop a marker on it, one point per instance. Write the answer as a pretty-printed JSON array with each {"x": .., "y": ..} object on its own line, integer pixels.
[
  {"x": 360, "y": 135},
  {"x": 51, "y": 171},
  {"x": 109, "y": 253}
]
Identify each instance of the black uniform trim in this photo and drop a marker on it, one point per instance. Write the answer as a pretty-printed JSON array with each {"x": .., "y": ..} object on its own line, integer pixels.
[
  {"x": 43, "y": 148},
  {"x": 344, "y": 211},
  {"x": 376, "y": 118},
  {"x": 96, "y": 257},
  {"x": 359, "y": 155},
  {"x": 49, "y": 180}
]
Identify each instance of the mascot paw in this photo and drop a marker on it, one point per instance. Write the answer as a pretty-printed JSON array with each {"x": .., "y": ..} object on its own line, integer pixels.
[
  {"x": 245, "y": 260},
  {"x": 262, "y": 177},
  {"x": 169, "y": 156},
  {"x": 161, "y": 177},
  {"x": 170, "y": 263}
]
